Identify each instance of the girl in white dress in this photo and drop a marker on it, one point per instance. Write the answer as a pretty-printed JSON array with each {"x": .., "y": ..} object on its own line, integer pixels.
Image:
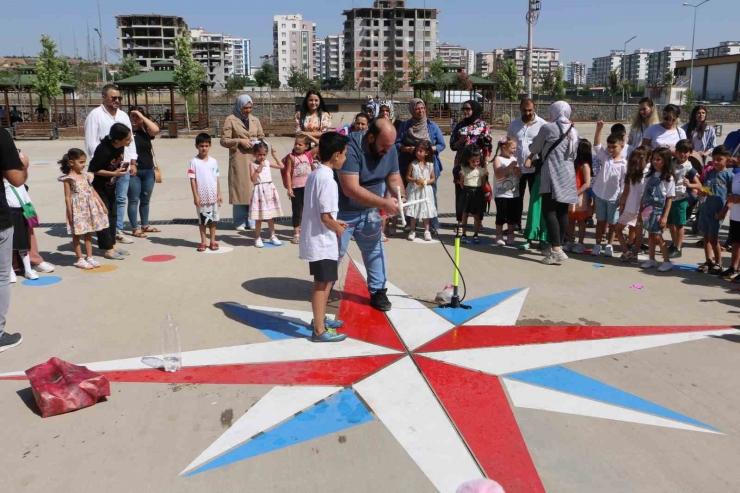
[{"x": 420, "y": 177}]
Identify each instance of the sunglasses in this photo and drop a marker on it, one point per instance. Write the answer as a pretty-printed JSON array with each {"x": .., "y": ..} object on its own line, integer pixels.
[{"x": 119, "y": 98}]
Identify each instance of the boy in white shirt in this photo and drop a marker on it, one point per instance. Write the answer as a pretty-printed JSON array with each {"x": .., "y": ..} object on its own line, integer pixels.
[
  {"x": 320, "y": 232},
  {"x": 608, "y": 187},
  {"x": 733, "y": 198},
  {"x": 204, "y": 183},
  {"x": 684, "y": 175}
]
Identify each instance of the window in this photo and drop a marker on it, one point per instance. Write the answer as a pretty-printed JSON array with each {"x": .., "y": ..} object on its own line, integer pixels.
[
  {"x": 284, "y": 69},
  {"x": 283, "y": 26},
  {"x": 285, "y": 52},
  {"x": 285, "y": 43},
  {"x": 292, "y": 43},
  {"x": 294, "y": 26},
  {"x": 294, "y": 52},
  {"x": 284, "y": 35}
]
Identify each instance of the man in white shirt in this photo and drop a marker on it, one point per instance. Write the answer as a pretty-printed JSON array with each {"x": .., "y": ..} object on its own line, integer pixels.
[
  {"x": 524, "y": 130},
  {"x": 97, "y": 126}
]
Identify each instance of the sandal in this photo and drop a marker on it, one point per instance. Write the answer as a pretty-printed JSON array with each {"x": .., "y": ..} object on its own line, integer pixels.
[
  {"x": 138, "y": 233},
  {"x": 715, "y": 270},
  {"x": 704, "y": 268},
  {"x": 214, "y": 246},
  {"x": 296, "y": 240},
  {"x": 150, "y": 229},
  {"x": 202, "y": 247},
  {"x": 476, "y": 240}
]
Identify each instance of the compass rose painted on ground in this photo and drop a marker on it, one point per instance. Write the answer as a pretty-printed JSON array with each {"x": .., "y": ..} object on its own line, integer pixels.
[{"x": 442, "y": 381}]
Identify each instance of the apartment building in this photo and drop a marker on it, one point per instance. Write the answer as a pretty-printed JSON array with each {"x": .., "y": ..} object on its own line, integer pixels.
[
  {"x": 293, "y": 45},
  {"x": 602, "y": 67},
  {"x": 379, "y": 39},
  {"x": 488, "y": 62},
  {"x": 575, "y": 73},
  {"x": 215, "y": 54},
  {"x": 334, "y": 55},
  {"x": 149, "y": 38},
  {"x": 544, "y": 61},
  {"x": 725, "y": 48},
  {"x": 319, "y": 58},
  {"x": 241, "y": 55},
  {"x": 457, "y": 56},
  {"x": 634, "y": 67},
  {"x": 662, "y": 61}
]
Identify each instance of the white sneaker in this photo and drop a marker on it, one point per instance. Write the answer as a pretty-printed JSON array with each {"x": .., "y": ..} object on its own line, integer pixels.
[
  {"x": 93, "y": 262},
  {"x": 596, "y": 251},
  {"x": 665, "y": 267},
  {"x": 122, "y": 238},
  {"x": 83, "y": 264},
  {"x": 274, "y": 240},
  {"x": 427, "y": 236},
  {"x": 13, "y": 277},
  {"x": 649, "y": 264},
  {"x": 500, "y": 242},
  {"x": 258, "y": 243},
  {"x": 547, "y": 251},
  {"x": 550, "y": 259},
  {"x": 31, "y": 274},
  {"x": 411, "y": 236},
  {"x": 44, "y": 268},
  {"x": 609, "y": 251},
  {"x": 579, "y": 248},
  {"x": 568, "y": 247},
  {"x": 241, "y": 228},
  {"x": 560, "y": 255}
]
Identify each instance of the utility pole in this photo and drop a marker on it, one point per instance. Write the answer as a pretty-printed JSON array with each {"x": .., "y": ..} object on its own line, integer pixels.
[
  {"x": 693, "y": 38},
  {"x": 533, "y": 14},
  {"x": 624, "y": 70},
  {"x": 102, "y": 46}
]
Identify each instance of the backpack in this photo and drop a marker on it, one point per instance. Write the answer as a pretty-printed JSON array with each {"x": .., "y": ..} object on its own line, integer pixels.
[{"x": 284, "y": 171}]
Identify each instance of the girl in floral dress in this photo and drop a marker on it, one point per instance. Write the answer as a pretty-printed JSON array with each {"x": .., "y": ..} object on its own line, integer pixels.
[
  {"x": 86, "y": 212},
  {"x": 265, "y": 205}
]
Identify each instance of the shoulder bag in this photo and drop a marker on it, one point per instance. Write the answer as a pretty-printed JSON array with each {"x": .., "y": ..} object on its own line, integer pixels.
[
  {"x": 538, "y": 163},
  {"x": 157, "y": 172},
  {"x": 29, "y": 211}
]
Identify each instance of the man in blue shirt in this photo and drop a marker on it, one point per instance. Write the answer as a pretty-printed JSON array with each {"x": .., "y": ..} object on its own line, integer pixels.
[
  {"x": 732, "y": 142},
  {"x": 367, "y": 182}
]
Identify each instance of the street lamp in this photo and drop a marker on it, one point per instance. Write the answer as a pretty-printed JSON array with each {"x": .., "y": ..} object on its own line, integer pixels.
[
  {"x": 693, "y": 37},
  {"x": 102, "y": 56},
  {"x": 624, "y": 63}
]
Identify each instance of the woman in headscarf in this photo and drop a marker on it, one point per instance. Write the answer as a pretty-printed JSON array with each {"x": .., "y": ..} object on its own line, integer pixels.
[
  {"x": 386, "y": 111},
  {"x": 371, "y": 111},
  {"x": 241, "y": 129},
  {"x": 472, "y": 129},
  {"x": 413, "y": 131},
  {"x": 557, "y": 143}
]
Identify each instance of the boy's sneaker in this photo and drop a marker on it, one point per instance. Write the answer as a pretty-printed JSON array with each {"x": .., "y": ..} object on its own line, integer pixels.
[
  {"x": 427, "y": 236},
  {"x": 380, "y": 301},
  {"x": 568, "y": 247},
  {"x": 330, "y": 323},
  {"x": 275, "y": 241},
  {"x": 649, "y": 264},
  {"x": 596, "y": 251},
  {"x": 122, "y": 238},
  {"x": 609, "y": 251},
  {"x": 258, "y": 243},
  {"x": 579, "y": 248},
  {"x": 8, "y": 341},
  {"x": 665, "y": 267},
  {"x": 330, "y": 335},
  {"x": 675, "y": 253},
  {"x": 241, "y": 228},
  {"x": 31, "y": 274},
  {"x": 729, "y": 274},
  {"x": 411, "y": 236}
]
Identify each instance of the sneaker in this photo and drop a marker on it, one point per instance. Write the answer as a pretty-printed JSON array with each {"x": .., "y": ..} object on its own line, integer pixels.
[
  {"x": 568, "y": 247},
  {"x": 500, "y": 242},
  {"x": 596, "y": 251},
  {"x": 550, "y": 259},
  {"x": 676, "y": 253},
  {"x": 330, "y": 323},
  {"x": 8, "y": 341},
  {"x": 627, "y": 256},
  {"x": 122, "y": 252},
  {"x": 672, "y": 248},
  {"x": 590, "y": 222},
  {"x": 476, "y": 239},
  {"x": 275, "y": 241},
  {"x": 258, "y": 243},
  {"x": 524, "y": 246},
  {"x": 13, "y": 277},
  {"x": 411, "y": 236},
  {"x": 579, "y": 249},
  {"x": 380, "y": 301},
  {"x": 83, "y": 264},
  {"x": 649, "y": 264},
  {"x": 31, "y": 275},
  {"x": 44, "y": 267},
  {"x": 560, "y": 255},
  {"x": 330, "y": 335},
  {"x": 93, "y": 262},
  {"x": 644, "y": 248},
  {"x": 114, "y": 256},
  {"x": 547, "y": 251},
  {"x": 427, "y": 236},
  {"x": 407, "y": 228},
  {"x": 463, "y": 239},
  {"x": 241, "y": 228},
  {"x": 510, "y": 241},
  {"x": 665, "y": 267},
  {"x": 609, "y": 251},
  {"x": 729, "y": 274},
  {"x": 122, "y": 238}
]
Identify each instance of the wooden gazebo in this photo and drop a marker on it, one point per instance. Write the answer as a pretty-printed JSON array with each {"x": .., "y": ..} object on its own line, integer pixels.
[
  {"x": 23, "y": 83},
  {"x": 162, "y": 79},
  {"x": 449, "y": 84}
]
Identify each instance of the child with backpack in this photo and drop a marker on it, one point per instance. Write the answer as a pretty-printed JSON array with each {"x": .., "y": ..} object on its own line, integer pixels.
[{"x": 298, "y": 165}]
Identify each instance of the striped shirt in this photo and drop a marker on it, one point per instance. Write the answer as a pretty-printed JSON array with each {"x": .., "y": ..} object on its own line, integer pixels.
[{"x": 558, "y": 173}]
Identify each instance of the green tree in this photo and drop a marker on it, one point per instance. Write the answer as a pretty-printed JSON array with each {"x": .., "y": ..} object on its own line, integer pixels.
[
  {"x": 235, "y": 84},
  {"x": 558, "y": 85},
  {"x": 48, "y": 83},
  {"x": 668, "y": 77},
  {"x": 614, "y": 86},
  {"x": 129, "y": 67},
  {"x": 189, "y": 74},
  {"x": 348, "y": 80},
  {"x": 415, "y": 68},
  {"x": 298, "y": 80},
  {"x": 65, "y": 71},
  {"x": 84, "y": 81},
  {"x": 266, "y": 76},
  {"x": 547, "y": 83},
  {"x": 689, "y": 100},
  {"x": 437, "y": 73},
  {"x": 509, "y": 83},
  {"x": 390, "y": 84}
]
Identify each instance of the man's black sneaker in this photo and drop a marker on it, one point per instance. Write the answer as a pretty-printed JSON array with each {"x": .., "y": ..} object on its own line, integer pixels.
[
  {"x": 675, "y": 253},
  {"x": 380, "y": 301},
  {"x": 644, "y": 247},
  {"x": 590, "y": 222},
  {"x": 672, "y": 248},
  {"x": 8, "y": 341}
]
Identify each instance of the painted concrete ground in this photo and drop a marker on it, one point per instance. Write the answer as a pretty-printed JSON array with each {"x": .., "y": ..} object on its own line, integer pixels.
[{"x": 640, "y": 396}]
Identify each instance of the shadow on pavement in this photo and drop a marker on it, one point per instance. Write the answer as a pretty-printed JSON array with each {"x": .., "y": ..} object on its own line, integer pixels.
[{"x": 29, "y": 400}]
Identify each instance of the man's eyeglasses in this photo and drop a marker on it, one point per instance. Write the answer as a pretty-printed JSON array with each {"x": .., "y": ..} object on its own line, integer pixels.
[{"x": 119, "y": 98}]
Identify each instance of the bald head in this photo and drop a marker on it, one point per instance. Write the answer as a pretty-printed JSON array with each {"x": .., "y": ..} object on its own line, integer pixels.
[{"x": 381, "y": 136}]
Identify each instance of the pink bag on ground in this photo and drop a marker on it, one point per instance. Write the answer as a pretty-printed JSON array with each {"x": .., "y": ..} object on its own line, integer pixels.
[{"x": 60, "y": 387}]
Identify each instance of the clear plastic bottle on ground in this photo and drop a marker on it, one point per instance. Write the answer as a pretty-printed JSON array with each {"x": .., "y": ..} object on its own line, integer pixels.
[{"x": 171, "y": 353}]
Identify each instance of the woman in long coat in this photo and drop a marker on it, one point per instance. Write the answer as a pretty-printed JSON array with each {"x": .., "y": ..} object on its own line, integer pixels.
[{"x": 241, "y": 128}]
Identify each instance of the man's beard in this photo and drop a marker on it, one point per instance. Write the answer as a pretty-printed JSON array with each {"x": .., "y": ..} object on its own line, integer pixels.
[
  {"x": 528, "y": 118},
  {"x": 374, "y": 152}
]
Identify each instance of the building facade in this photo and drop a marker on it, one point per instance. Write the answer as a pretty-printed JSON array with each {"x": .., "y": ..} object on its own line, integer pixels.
[
  {"x": 149, "y": 38},
  {"x": 725, "y": 48},
  {"x": 457, "y": 56},
  {"x": 487, "y": 63},
  {"x": 544, "y": 61},
  {"x": 634, "y": 67},
  {"x": 575, "y": 73},
  {"x": 661, "y": 62},
  {"x": 215, "y": 54},
  {"x": 380, "y": 39},
  {"x": 293, "y": 45},
  {"x": 334, "y": 56},
  {"x": 715, "y": 78},
  {"x": 602, "y": 67},
  {"x": 241, "y": 55},
  {"x": 319, "y": 58}
]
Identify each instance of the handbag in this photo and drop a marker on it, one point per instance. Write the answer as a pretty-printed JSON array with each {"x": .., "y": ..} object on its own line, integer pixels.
[
  {"x": 538, "y": 163},
  {"x": 29, "y": 211},
  {"x": 157, "y": 173}
]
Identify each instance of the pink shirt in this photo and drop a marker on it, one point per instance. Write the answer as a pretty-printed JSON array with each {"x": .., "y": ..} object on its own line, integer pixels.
[{"x": 301, "y": 169}]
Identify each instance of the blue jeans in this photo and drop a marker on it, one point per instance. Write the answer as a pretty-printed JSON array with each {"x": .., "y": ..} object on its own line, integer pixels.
[
  {"x": 122, "y": 184},
  {"x": 139, "y": 194},
  {"x": 241, "y": 216},
  {"x": 368, "y": 237},
  {"x": 435, "y": 220}
]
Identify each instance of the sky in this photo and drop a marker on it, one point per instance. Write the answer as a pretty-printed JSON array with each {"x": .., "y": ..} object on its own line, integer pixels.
[{"x": 581, "y": 29}]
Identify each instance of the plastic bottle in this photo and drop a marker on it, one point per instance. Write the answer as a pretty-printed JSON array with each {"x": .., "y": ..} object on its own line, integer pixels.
[{"x": 171, "y": 345}]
